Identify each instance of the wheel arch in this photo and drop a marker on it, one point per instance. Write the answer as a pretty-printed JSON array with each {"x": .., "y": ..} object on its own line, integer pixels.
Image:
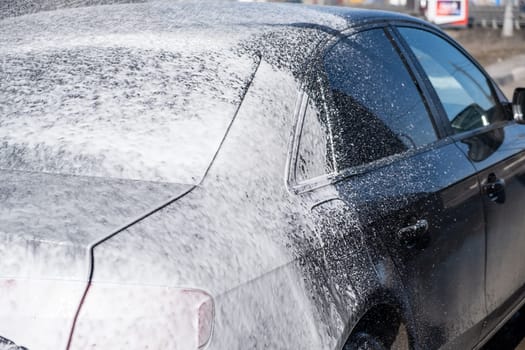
[{"x": 384, "y": 317}]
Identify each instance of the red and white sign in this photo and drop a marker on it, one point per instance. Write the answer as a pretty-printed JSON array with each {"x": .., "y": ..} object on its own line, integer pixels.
[{"x": 448, "y": 12}]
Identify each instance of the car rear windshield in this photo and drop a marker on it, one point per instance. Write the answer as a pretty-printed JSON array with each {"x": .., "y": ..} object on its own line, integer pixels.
[{"x": 116, "y": 111}]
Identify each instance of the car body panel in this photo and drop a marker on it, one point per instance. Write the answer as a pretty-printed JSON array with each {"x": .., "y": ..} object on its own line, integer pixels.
[
  {"x": 283, "y": 263},
  {"x": 495, "y": 151},
  {"x": 240, "y": 259},
  {"x": 435, "y": 184},
  {"x": 47, "y": 224},
  {"x": 502, "y": 150},
  {"x": 142, "y": 98},
  {"x": 440, "y": 187}
]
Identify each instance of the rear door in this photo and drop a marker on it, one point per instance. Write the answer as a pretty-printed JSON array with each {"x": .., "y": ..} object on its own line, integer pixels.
[
  {"x": 414, "y": 190},
  {"x": 476, "y": 118}
]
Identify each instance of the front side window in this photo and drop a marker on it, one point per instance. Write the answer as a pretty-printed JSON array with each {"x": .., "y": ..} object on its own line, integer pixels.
[
  {"x": 465, "y": 92},
  {"x": 376, "y": 107}
]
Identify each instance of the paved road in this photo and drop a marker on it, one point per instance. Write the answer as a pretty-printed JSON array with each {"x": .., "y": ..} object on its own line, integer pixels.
[
  {"x": 509, "y": 73},
  {"x": 508, "y": 89}
]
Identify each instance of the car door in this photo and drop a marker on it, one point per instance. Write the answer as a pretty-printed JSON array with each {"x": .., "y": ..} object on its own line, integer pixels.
[
  {"x": 478, "y": 120},
  {"x": 411, "y": 188}
]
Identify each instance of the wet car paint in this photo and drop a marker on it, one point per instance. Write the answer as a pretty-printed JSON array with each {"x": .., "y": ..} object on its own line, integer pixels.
[
  {"x": 48, "y": 223},
  {"x": 283, "y": 265}
]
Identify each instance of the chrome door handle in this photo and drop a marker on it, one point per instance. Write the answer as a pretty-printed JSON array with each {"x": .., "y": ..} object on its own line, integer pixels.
[
  {"x": 495, "y": 189},
  {"x": 410, "y": 235}
]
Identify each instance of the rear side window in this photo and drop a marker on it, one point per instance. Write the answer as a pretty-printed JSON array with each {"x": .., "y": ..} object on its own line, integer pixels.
[
  {"x": 314, "y": 155},
  {"x": 464, "y": 91},
  {"x": 375, "y": 104}
]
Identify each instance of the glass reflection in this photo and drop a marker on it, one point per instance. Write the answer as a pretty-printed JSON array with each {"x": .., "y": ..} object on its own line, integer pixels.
[{"x": 482, "y": 146}]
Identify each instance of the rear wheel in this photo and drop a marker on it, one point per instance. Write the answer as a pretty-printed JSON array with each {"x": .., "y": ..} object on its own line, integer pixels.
[{"x": 394, "y": 339}]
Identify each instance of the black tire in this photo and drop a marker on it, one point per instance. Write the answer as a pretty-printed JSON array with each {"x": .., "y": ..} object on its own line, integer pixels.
[
  {"x": 381, "y": 339},
  {"x": 363, "y": 341}
]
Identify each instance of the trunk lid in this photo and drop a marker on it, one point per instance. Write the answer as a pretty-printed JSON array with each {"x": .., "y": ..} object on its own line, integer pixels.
[{"x": 47, "y": 224}]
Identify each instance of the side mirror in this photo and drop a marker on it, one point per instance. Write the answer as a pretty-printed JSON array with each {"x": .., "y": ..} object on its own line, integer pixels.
[{"x": 518, "y": 105}]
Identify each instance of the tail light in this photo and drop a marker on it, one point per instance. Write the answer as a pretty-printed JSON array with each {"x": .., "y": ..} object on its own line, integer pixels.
[
  {"x": 205, "y": 323},
  {"x": 136, "y": 316}
]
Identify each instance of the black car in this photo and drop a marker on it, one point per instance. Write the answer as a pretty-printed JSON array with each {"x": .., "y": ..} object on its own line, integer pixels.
[{"x": 253, "y": 176}]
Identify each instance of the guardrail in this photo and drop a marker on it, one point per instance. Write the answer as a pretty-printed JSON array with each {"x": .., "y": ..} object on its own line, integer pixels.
[{"x": 492, "y": 16}]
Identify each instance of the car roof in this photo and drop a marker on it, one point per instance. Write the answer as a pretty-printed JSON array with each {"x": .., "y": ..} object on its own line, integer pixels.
[
  {"x": 165, "y": 24},
  {"x": 168, "y": 16},
  {"x": 135, "y": 72}
]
